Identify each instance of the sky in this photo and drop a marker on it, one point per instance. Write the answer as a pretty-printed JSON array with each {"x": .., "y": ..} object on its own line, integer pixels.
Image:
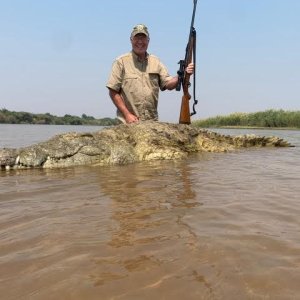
[{"x": 56, "y": 55}]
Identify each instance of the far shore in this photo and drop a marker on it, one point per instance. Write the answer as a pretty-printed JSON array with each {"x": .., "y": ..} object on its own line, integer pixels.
[{"x": 212, "y": 127}]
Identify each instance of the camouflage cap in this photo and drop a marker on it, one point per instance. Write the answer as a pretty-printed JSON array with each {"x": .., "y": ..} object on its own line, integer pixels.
[{"x": 140, "y": 28}]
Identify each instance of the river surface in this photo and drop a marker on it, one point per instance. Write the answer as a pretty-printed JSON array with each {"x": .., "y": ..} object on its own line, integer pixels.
[{"x": 213, "y": 226}]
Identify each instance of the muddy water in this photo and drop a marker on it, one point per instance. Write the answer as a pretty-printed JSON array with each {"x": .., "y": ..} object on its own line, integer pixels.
[{"x": 215, "y": 226}]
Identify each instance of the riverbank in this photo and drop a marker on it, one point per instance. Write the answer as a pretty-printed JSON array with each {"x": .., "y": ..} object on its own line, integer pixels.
[
  {"x": 255, "y": 128},
  {"x": 14, "y": 117},
  {"x": 274, "y": 119}
]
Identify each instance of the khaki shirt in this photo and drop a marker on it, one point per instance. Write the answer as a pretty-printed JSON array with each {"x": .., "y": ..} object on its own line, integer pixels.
[{"x": 138, "y": 82}]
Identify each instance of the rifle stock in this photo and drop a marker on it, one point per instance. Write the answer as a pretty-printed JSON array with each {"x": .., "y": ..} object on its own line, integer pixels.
[{"x": 185, "y": 115}]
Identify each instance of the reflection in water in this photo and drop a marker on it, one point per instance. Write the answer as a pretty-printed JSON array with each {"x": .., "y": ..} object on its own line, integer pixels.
[
  {"x": 141, "y": 195},
  {"x": 149, "y": 234}
]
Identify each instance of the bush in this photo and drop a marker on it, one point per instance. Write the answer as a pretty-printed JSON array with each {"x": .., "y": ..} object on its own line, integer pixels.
[{"x": 268, "y": 118}]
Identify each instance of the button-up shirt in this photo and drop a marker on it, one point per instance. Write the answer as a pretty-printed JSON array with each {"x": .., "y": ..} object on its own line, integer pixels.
[{"x": 138, "y": 82}]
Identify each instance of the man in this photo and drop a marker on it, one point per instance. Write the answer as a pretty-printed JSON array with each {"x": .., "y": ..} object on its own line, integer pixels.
[{"x": 136, "y": 78}]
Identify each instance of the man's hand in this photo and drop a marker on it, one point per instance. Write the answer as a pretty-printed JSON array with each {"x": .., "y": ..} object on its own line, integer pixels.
[
  {"x": 172, "y": 83},
  {"x": 190, "y": 69},
  {"x": 119, "y": 103},
  {"x": 131, "y": 118}
]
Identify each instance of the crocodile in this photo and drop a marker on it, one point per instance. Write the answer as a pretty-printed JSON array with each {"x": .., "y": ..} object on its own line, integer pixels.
[{"x": 128, "y": 143}]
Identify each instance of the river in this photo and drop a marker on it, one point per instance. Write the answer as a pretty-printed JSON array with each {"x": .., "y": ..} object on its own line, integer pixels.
[{"x": 213, "y": 226}]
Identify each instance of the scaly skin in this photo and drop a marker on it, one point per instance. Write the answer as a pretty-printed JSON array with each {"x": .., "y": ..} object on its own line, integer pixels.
[{"x": 124, "y": 144}]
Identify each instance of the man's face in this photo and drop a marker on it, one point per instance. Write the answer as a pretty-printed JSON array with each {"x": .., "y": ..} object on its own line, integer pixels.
[{"x": 140, "y": 43}]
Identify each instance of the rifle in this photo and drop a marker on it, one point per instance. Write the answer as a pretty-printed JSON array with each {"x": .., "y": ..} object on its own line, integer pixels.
[{"x": 184, "y": 78}]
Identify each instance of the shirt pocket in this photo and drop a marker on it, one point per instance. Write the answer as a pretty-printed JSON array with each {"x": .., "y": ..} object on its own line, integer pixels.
[
  {"x": 130, "y": 82},
  {"x": 154, "y": 80}
]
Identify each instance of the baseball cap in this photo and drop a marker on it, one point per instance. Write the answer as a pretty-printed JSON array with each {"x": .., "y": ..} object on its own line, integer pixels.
[{"x": 140, "y": 28}]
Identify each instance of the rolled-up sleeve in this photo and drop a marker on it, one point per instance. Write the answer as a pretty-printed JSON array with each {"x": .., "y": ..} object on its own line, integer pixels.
[
  {"x": 116, "y": 76},
  {"x": 164, "y": 76}
]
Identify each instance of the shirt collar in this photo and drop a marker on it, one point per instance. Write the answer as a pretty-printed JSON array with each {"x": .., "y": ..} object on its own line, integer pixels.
[{"x": 137, "y": 58}]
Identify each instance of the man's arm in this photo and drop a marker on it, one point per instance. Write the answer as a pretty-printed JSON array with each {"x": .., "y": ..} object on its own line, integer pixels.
[
  {"x": 172, "y": 83},
  {"x": 119, "y": 103}
]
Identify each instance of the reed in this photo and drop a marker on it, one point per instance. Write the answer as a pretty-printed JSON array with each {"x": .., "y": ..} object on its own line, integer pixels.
[{"x": 266, "y": 119}]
